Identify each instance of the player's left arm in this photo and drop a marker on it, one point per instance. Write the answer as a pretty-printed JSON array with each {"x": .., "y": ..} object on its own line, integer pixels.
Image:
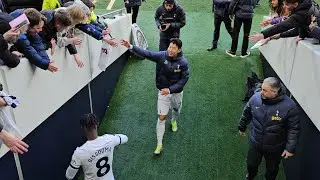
[
  {"x": 120, "y": 139},
  {"x": 177, "y": 87},
  {"x": 73, "y": 167}
]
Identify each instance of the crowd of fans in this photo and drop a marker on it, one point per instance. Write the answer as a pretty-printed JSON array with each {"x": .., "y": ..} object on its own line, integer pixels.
[
  {"x": 51, "y": 27},
  {"x": 55, "y": 25},
  {"x": 288, "y": 18}
]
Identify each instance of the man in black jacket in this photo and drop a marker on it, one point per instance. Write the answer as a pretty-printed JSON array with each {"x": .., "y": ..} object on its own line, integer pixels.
[
  {"x": 170, "y": 18},
  {"x": 133, "y": 5},
  {"x": 8, "y": 56},
  {"x": 242, "y": 12},
  {"x": 221, "y": 14},
  {"x": 275, "y": 128},
  {"x": 300, "y": 18}
]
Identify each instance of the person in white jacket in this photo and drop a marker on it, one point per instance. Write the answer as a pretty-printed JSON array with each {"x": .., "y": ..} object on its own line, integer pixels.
[{"x": 9, "y": 133}]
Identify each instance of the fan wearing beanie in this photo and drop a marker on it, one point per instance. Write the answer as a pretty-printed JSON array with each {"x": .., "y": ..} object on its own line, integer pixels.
[
  {"x": 169, "y": 1},
  {"x": 170, "y": 18}
]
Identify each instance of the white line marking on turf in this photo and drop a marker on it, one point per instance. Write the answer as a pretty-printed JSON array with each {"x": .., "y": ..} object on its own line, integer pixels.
[{"x": 110, "y": 5}]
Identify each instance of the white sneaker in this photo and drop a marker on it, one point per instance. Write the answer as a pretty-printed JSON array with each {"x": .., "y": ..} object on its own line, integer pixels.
[
  {"x": 245, "y": 55},
  {"x": 230, "y": 53}
]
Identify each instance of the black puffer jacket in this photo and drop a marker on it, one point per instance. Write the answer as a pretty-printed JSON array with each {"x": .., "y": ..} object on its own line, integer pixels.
[
  {"x": 176, "y": 17},
  {"x": 220, "y": 7},
  {"x": 303, "y": 31},
  {"x": 12, "y": 5},
  {"x": 9, "y": 59},
  {"x": 172, "y": 73},
  {"x": 49, "y": 31},
  {"x": 299, "y": 18},
  {"x": 275, "y": 123},
  {"x": 132, "y": 3},
  {"x": 242, "y": 8}
]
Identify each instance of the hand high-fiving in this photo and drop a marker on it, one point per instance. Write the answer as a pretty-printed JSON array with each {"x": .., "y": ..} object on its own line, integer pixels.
[
  {"x": 125, "y": 43},
  {"x": 76, "y": 41},
  {"x": 313, "y": 23},
  {"x": 256, "y": 37}
]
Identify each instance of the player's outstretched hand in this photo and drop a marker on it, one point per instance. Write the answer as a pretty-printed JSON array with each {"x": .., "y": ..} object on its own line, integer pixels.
[{"x": 125, "y": 43}]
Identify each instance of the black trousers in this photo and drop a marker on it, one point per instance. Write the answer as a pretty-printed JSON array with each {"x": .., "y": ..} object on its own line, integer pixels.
[
  {"x": 217, "y": 23},
  {"x": 164, "y": 43},
  {"x": 246, "y": 31},
  {"x": 135, "y": 11},
  {"x": 272, "y": 160},
  {"x": 72, "y": 49},
  {"x": 165, "y": 39}
]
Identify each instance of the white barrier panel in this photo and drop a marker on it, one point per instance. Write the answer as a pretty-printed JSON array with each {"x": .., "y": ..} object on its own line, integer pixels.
[
  {"x": 279, "y": 59},
  {"x": 298, "y": 66},
  {"x": 120, "y": 29},
  {"x": 305, "y": 79},
  {"x": 41, "y": 92}
]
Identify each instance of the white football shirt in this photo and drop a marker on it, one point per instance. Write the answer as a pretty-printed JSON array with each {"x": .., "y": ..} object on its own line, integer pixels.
[{"x": 95, "y": 157}]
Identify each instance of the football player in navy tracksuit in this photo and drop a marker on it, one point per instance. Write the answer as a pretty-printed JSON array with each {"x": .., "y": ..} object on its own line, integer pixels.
[{"x": 172, "y": 75}]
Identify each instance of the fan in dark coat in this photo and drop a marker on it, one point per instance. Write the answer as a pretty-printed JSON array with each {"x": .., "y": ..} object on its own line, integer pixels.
[{"x": 8, "y": 58}]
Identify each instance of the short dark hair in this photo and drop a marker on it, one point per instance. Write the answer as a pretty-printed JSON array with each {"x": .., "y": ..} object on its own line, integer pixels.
[
  {"x": 63, "y": 17},
  {"x": 177, "y": 42},
  {"x": 292, "y": 1},
  {"x": 34, "y": 16},
  {"x": 89, "y": 121}
]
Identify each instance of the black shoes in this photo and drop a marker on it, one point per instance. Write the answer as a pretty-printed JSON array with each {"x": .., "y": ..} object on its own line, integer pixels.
[{"x": 212, "y": 48}]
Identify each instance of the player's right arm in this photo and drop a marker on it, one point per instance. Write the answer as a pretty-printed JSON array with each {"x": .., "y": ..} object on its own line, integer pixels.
[
  {"x": 73, "y": 167},
  {"x": 120, "y": 139},
  {"x": 153, "y": 56}
]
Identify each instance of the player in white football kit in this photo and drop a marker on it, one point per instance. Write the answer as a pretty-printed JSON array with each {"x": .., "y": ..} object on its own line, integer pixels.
[{"x": 96, "y": 155}]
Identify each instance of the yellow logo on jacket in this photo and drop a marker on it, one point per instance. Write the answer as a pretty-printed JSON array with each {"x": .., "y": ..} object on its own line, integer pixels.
[
  {"x": 276, "y": 118},
  {"x": 178, "y": 69}
]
